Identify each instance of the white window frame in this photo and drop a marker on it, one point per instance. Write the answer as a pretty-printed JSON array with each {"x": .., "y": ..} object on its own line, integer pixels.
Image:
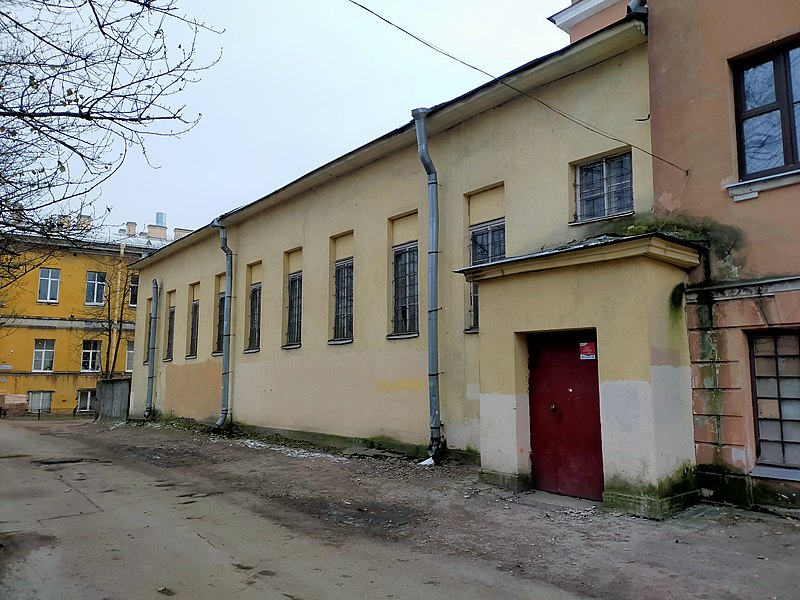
[
  {"x": 38, "y": 396},
  {"x": 91, "y": 356},
  {"x": 93, "y": 279},
  {"x": 133, "y": 292},
  {"x": 91, "y": 399},
  {"x": 46, "y": 274},
  {"x": 130, "y": 356},
  {"x": 41, "y": 355},
  {"x": 579, "y": 205}
]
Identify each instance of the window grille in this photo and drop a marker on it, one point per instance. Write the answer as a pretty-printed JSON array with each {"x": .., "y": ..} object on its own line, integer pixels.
[
  {"x": 406, "y": 303},
  {"x": 90, "y": 356},
  {"x": 487, "y": 244},
  {"x": 295, "y": 310},
  {"x": 604, "y": 188},
  {"x": 48, "y": 285},
  {"x": 44, "y": 352},
  {"x": 218, "y": 340},
  {"x": 194, "y": 327},
  {"x": 254, "y": 335},
  {"x": 170, "y": 334},
  {"x": 343, "y": 309},
  {"x": 134, "y": 295},
  {"x": 776, "y": 375},
  {"x": 95, "y": 287}
]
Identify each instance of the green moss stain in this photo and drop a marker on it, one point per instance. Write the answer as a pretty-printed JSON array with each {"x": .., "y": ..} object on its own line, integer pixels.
[
  {"x": 682, "y": 480},
  {"x": 658, "y": 500}
]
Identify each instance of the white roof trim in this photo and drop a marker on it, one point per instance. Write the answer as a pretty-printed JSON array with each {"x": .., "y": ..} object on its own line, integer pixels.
[{"x": 581, "y": 10}]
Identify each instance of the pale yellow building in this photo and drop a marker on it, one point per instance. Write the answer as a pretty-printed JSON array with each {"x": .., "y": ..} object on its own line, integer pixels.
[{"x": 538, "y": 177}]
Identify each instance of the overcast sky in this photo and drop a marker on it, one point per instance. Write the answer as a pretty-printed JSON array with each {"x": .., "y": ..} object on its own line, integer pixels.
[{"x": 302, "y": 82}]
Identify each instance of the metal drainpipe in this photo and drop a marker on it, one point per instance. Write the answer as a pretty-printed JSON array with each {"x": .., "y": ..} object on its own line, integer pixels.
[
  {"x": 226, "y": 331},
  {"x": 151, "y": 353},
  {"x": 419, "y": 115}
]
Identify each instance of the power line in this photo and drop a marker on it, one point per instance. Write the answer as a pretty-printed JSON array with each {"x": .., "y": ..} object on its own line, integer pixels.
[{"x": 558, "y": 111}]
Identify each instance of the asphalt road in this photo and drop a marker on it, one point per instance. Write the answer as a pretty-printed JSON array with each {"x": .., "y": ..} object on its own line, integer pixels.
[{"x": 77, "y": 522}]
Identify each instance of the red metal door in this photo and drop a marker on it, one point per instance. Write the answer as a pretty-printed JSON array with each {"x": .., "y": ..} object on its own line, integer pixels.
[{"x": 565, "y": 414}]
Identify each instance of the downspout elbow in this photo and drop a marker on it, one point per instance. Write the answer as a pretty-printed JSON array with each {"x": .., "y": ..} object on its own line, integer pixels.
[{"x": 420, "y": 115}]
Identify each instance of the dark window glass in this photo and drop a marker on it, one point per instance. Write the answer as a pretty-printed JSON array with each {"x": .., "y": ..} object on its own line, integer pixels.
[
  {"x": 134, "y": 290},
  {"x": 220, "y": 334},
  {"x": 254, "y": 333},
  {"x": 170, "y": 334},
  {"x": 406, "y": 302},
  {"x": 194, "y": 328},
  {"x": 295, "y": 309},
  {"x": 488, "y": 244},
  {"x": 604, "y": 188},
  {"x": 343, "y": 309}
]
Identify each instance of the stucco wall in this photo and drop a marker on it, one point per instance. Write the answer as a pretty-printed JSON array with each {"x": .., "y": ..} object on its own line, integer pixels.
[{"x": 377, "y": 386}]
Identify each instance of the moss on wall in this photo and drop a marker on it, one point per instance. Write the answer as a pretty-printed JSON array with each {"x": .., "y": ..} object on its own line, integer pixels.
[{"x": 657, "y": 500}]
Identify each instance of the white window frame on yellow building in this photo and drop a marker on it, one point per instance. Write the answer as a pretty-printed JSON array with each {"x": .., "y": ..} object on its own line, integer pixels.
[
  {"x": 40, "y": 355},
  {"x": 97, "y": 285},
  {"x": 91, "y": 356},
  {"x": 48, "y": 299}
]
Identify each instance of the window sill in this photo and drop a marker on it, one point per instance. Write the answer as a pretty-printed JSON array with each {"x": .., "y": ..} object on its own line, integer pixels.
[
  {"x": 95, "y": 304},
  {"x": 166, "y": 359},
  {"x": 190, "y": 356},
  {"x": 627, "y": 213},
  {"x": 784, "y": 473},
  {"x": 472, "y": 330},
  {"x": 251, "y": 350},
  {"x": 217, "y": 353},
  {"x": 747, "y": 190},
  {"x": 43, "y": 371},
  {"x": 402, "y": 336},
  {"x": 47, "y": 302},
  {"x": 290, "y": 346},
  {"x": 340, "y": 341}
]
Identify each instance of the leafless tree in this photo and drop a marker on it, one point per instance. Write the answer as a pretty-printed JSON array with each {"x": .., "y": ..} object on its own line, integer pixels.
[{"x": 81, "y": 83}]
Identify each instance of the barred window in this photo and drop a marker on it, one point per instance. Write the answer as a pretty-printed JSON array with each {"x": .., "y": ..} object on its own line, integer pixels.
[
  {"x": 254, "y": 333},
  {"x": 295, "y": 309},
  {"x": 194, "y": 325},
  {"x": 487, "y": 244},
  {"x": 90, "y": 355},
  {"x": 170, "y": 334},
  {"x": 220, "y": 333},
  {"x": 343, "y": 309},
  {"x": 406, "y": 302},
  {"x": 49, "y": 280},
  {"x": 604, "y": 188},
  {"x": 776, "y": 370},
  {"x": 95, "y": 287}
]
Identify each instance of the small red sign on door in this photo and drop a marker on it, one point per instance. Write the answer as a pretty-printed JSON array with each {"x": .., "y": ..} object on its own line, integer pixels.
[{"x": 588, "y": 351}]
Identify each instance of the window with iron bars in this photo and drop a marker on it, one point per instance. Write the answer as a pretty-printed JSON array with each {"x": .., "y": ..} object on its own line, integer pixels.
[
  {"x": 194, "y": 326},
  {"x": 343, "y": 308},
  {"x": 406, "y": 303},
  {"x": 170, "y": 334},
  {"x": 220, "y": 333},
  {"x": 604, "y": 188},
  {"x": 776, "y": 391},
  {"x": 295, "y": 309},
  {"x": 254, "y": 331},
  {"x": 487, "y": 244}
]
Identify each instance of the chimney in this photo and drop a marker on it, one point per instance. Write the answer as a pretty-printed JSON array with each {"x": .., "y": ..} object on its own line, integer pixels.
[
  {"x": 156, "y": 232},
  {"x": 84, "y": 222},
  {"x": 179, "y": 233},
  {"x": 130, "y": 228}
]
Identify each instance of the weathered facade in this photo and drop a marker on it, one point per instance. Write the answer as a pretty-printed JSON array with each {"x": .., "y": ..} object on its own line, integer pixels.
[
  {"x": 64, "y": 322},
  {"x": 328, "y": 282}
]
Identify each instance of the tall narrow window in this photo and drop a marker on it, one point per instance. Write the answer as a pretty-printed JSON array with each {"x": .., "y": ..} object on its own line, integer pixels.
[
  {"x": 129, "y": 355},
  {"x": 604, "y": 188},
  {"x": 343, "y": 309},
  {"x": 776, "y": 370},
  {"x": 220, "y": 332},
  {"x": 405, "y": 285},
  {"x": 134, "y": 291},
  {"x": 194, "y": 328},
  {"x": 44, "y": 352},
  {"x": 170, "y": 345},
  {"x": 95, "y": 288},
  {"x": 487, "y": 244},
  {"x": 148, "y": 328},
  {"x": 254, "y": 323},
  {"x": 295, "y": 309},
  {"x": 48, "y": 285},
  {"x": 90, "y": 355}
]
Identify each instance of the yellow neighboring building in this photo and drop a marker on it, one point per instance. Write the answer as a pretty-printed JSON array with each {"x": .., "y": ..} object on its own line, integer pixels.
[{"x": 62, "y": 324}]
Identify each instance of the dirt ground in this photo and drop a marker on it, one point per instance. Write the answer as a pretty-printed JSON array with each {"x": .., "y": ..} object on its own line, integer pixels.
[{"x": 708, "y": 551}]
